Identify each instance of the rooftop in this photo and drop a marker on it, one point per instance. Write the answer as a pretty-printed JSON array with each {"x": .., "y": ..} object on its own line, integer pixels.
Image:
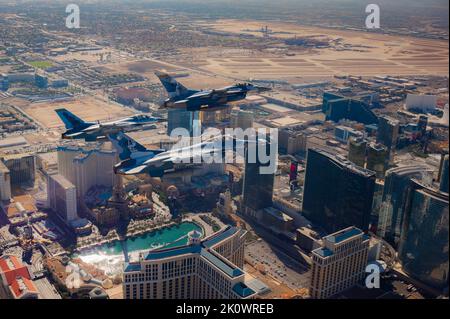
[
  {"x": 20, "y": 203},
  {"x": 50, "y": 157},
  {"x": 13, "y": 141},
  {"x": 84, "y": 152},
  {"x": 323, "y": 252},
  {"x": 219, "y": 236},
  {"x": 16, "y": 156},
  {"x": 202, "y": 249},
  {"x": 130, "y": 267},
  {"x": 21, "y": 286},
  {"x": 171, "y": 252},
  {"x": 62, "y": 181},
  {"x": 221, "y": 263},
  {"x": 343, "y": 235},
  {"x": 342, "y": 161},
  {"x": 243, "y": 290},
  {"x": 278, "y": 214}
]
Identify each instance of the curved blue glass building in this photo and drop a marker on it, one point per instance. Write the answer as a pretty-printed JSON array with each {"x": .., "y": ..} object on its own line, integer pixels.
[{"x": 423, "y": 249}]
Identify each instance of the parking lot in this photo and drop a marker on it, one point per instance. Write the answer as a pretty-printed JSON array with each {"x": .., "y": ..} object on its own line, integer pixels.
[{"x": 277, "y": 265}]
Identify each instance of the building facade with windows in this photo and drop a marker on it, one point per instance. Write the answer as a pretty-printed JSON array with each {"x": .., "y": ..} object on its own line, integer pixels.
[
  {"x": 85, "y": 167},
  {"x": 340, "y": 263},
  {"x": 21, "y": 168},
  {"x": 5, "y": 183},
  {"x": 388, "y": 130},
  {"x": 62, "y": 197},
  {"x": 337, "y": 193},
  {"x": 423, "y": 247},
  {"x": 202, "y": 269},
  {"x": 259, "y": 178},
  {"x": 396, "y": 184}
]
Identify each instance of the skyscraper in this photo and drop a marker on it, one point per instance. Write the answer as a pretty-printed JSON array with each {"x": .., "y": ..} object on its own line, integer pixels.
[
  {"x": 292, "y": 141},
  {"x": 337, "y": 193},
  {"x": 443, "y": 187},
  {"x": 423, "y": 249},
  {"x": 21, "y": 168},
  {"x": 85, "y": 167},
  {"x": 396, "y": 185},
  {"x": 422, "y": 125},
  {"x": 357, "y": 151},
  {"x": 242, "y": 119},
  {"x": 340, "y": 263},
  {"x": 387, "y": 134},
  {"x": 377, "y": 159},
  {"x": 338, "y": 107},
  {"x": 258, "y": 185},
  {"x": 62, "y": 197},
  {"x": 5, "y": 183}
]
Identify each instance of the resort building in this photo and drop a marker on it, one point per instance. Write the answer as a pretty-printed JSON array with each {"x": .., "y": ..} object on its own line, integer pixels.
[
  {"x": 340, "y": 263},
  {"x": 85, "y": 167},
  {"x": 202, "y": 269},
  {"x": 21, "y": 168},
  {"x": 62, "y": 197}
]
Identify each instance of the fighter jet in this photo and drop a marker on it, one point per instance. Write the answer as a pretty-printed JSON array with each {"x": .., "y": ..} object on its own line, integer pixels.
[
  {"x": 181, "y": 97},
  {"x": 137, "y": 159},
  {"x": 93, "y": 131}
]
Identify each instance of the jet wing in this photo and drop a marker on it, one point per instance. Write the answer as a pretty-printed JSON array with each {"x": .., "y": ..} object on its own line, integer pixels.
[
  {"x": 200, "y": 95},
  {"x": 74, "y": 135},
  {"x": 132, "y": 171},
  {"x": 208, "y": 94},
  {"x": 235, "y": 90},
  {"x": 92, "y": 128},
  {"x": 181, "y": 102}
]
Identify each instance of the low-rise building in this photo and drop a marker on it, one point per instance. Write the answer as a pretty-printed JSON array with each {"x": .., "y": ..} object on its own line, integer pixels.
[
  {"x": 308, "y": 239},
  {"x": 277, "y": 220},
  {"x": 15, "y": 280}
]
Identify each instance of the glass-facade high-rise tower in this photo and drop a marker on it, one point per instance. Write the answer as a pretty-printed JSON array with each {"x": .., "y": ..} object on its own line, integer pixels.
[
  {"x": 337, "y": 193},
  {"x": 396, "y": 184},
  {"x": 423, "y": 249},
  {"x": 258, "y": 185},
  {"x": 443, "y": 187}
]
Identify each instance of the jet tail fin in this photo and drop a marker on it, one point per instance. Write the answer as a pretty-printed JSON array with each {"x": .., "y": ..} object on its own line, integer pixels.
[
  {"x": 126, "y": 145},
  {"x": 172, "y": 86},
  {"x": 70, "y": 120}
]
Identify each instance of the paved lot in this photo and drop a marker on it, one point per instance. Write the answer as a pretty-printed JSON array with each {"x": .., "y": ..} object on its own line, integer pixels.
[
  {"x": 278, "y": 265},
  {"x": 46, "y": 289}
]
